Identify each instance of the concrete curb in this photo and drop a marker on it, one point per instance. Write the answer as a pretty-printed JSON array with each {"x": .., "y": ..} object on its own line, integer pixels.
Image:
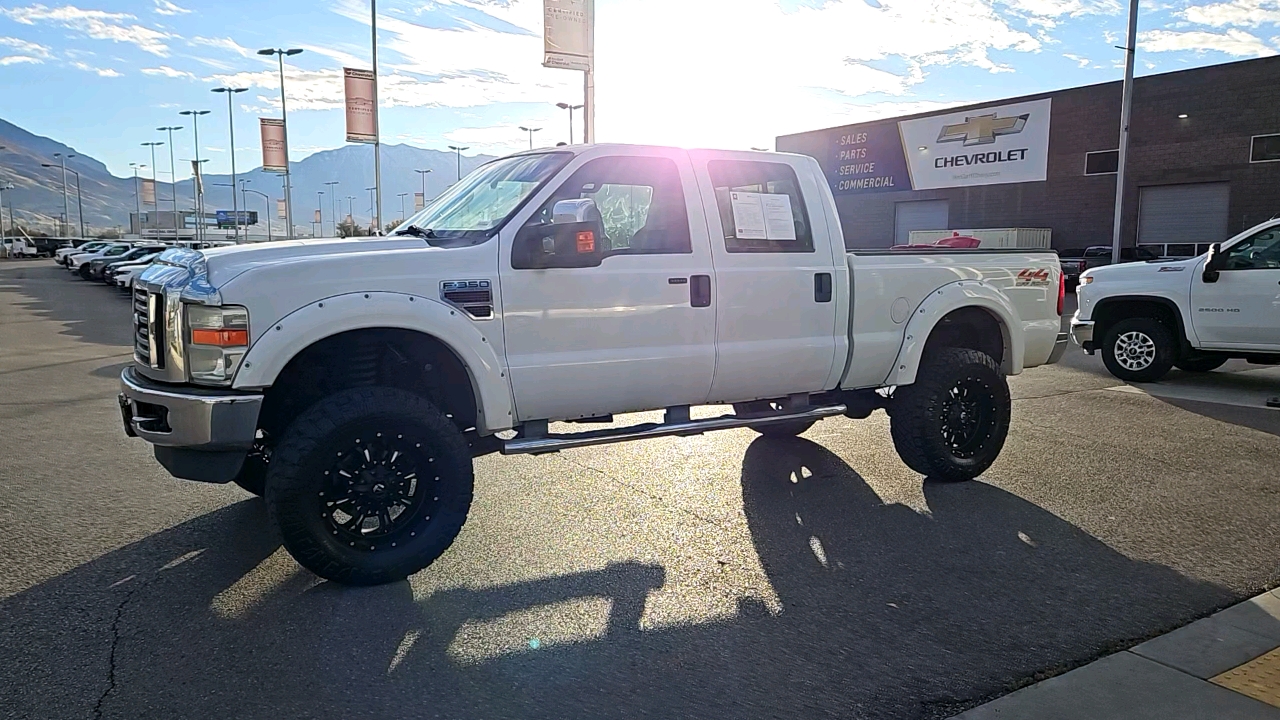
[{"x": 1211, "y": 669}]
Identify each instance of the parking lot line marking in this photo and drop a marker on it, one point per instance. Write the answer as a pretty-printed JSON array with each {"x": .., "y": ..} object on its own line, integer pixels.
[{"x": 1259, "y": 678}]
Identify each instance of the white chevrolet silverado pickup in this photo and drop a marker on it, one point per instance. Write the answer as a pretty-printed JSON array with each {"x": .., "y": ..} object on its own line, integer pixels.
[
  {"x": 351, "y": 382},
  {"x": 1194, "y": 314}
]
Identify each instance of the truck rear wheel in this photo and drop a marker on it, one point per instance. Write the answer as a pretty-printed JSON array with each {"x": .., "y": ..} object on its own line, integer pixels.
[
  {"x": 369, "y": 486},
  {"x": 1139, "y": 349},
  {"x": 951, "y": 424}
]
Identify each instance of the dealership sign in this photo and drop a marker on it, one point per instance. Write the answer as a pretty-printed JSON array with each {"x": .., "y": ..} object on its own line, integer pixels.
[{"x": 991, "y": 146}]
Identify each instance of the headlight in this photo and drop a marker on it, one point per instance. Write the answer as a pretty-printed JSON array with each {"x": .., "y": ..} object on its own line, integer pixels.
[{"x": 217, "y": 338}]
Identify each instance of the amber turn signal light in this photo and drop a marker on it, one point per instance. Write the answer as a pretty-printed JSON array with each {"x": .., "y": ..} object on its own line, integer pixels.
[{"x": 220, "y": 338}]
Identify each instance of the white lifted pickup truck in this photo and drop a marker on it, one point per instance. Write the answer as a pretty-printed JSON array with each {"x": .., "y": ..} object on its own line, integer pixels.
[
  {"x": 351, "y": 382},
  {"x": 1194, "y": 314}
]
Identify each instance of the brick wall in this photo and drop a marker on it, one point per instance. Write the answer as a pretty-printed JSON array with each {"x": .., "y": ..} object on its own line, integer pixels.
[{"x": 1226, "y": 105}]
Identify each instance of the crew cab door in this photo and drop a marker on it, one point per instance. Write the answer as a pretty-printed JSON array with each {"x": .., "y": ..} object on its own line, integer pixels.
[
  {"x": 777, "y": 297},
  {"x": 1242, "y": 309},
  {"x": 634, "y": 329}
]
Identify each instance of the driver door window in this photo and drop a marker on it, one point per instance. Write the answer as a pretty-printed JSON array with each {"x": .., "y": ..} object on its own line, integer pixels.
[
  {"x": 641, "y": 203},
  {"x": 1260, "y": 252},
  {"x": 1242, "y": 309}
]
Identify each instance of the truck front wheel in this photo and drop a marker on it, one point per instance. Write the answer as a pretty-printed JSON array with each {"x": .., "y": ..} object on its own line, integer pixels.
[
  {"x": 369, "y": 486},
  {"x": 951, "y": 424},
  {"x": 1139, "y": 349}
]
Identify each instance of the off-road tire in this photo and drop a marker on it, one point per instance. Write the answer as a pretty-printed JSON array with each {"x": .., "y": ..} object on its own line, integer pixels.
[
  {"x": 924, "y": 415},
  {"x": 302, "y": 470},
  {"x": 1153, "y": 363},
  {"x": 772, "y": 430},
  {"x": 1202, "y": 364}
]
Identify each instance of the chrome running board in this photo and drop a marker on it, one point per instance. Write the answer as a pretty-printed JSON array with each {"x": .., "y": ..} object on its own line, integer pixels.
[{"x": 552, "y": 442}]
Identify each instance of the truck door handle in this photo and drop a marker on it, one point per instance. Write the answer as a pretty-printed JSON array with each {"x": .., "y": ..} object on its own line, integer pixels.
[
  {"x": 822, "y": 287},
  {"x": 700, "y": 290}
]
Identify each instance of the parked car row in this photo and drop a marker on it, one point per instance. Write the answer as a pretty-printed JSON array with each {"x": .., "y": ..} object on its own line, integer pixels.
[{"x": 113, "y": 262}]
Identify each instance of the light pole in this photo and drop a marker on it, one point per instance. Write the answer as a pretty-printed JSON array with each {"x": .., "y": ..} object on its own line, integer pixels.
[
  {"x": 351, "y": 200},
  {"x": 13, "y": 225},
  {"x": 284, "y": 120},
  {"x": 531, "y": 131},
  {"x": 423, "y": 175},
  {"x": 458, "y": 150},
  {"x": 137, "y": 194},
  {"x": 1126, "y": 105},
  {"x": 373, "y": 217},
  {"x": 195, "y": 175},
  {"x": 333, "y": 203},
  {"x": 402, "y": 196},
  {"x": 79, "y": 203},
  {"x": 173, "y": 177},
  {"x": 155, "y": 200},
  {"x": 231, "y": 126},
  {"x": 267, "y": 200},
  {"x": 245, "y": 202},
  {"x": 66, "y": 211},
  {"x": 570, "y": 108},
  {"x": 320, "y": 209}
]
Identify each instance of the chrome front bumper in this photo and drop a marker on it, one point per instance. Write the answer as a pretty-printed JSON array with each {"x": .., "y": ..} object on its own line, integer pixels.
[
  {"x": 1059, "y": 348},
  {"x": 192, "y": 418},
  {"x": 1082, "y": 333}
]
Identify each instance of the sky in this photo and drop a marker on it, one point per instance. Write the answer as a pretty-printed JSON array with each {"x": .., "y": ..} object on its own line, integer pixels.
[{"x": 101, "y": 75}]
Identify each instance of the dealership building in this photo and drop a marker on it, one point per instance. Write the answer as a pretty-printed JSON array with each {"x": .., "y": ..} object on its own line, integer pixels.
[{"x": 1203, "y": 163}]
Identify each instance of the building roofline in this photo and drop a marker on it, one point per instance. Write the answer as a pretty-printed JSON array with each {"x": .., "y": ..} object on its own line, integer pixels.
[{"x": 1025, "y": 98}]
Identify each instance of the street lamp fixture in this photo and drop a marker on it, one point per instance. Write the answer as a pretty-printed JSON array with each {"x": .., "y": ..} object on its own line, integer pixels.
[
  {"x": 173, "y": 179},
  {"x": 531, "y": 131},
  {"x": 423, "y": 175},
  {"x": 458, "y": 150},
  {"x": 280, "y": 55},
  {"x": 333, "y": 204},
  {"x": 79, "y": 201},
  {"x": 235, "y": 206},
  {"x": 402, "y": 196},
  {"x": 570, "y": 108},
  {"x": 197, "y": 191},
  {"x": 66, "y": 211},
  {"x": 137, "y": 193}
]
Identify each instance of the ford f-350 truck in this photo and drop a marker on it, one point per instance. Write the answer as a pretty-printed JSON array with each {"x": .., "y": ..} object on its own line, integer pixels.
[{"x": 351, "y": 382}]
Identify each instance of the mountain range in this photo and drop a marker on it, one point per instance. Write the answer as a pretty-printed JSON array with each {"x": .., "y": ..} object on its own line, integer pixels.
[{"x": 36, "y": 197}]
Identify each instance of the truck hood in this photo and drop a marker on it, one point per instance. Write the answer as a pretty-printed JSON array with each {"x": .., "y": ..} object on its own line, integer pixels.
[
  {"x": 1150, "y": 269},
  {"x": 226, "y": 263}
]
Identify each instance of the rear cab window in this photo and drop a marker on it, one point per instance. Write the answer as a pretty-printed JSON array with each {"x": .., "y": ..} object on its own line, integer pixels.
[{"x": 761, "y": 207}]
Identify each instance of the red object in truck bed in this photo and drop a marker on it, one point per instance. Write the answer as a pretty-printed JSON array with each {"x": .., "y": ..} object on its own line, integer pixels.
[{"x": 955, "y": 242}]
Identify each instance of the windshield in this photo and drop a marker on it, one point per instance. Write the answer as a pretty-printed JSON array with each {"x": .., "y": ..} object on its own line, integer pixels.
[
  {"x": 115, "y": 251},
  {"x": 482, "y": 201}
]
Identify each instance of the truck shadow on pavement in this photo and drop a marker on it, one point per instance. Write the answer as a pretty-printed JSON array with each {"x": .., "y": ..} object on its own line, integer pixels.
[{"x": 885, "y": 612}]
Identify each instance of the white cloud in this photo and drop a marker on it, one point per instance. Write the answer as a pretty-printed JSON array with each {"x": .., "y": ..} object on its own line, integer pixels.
[
  {"x": 223, "y": 44},
  {"x": 102, "y": 72},
  {"x": 167, "y": 71},
  {"x": 1237, "y": 43},
  {"x": 1240, "y": 13},
  {"x": 164, "y": 7},
  {"x": 19, "y": 59},
  {"x": 1078, "y": 60},
  {"x": 815, "y": 70},
  {"x": 97, "y": 24},
  {"x": 26, "y": 46}
]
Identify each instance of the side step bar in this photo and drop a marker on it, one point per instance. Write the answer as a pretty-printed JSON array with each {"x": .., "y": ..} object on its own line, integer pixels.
[{"x": 556, "y": 442}]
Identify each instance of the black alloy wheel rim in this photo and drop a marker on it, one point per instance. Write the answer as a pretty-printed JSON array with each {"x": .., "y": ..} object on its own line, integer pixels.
[
  {"x": 968, "y": 417},
  {"x": 379, "y": 490}
]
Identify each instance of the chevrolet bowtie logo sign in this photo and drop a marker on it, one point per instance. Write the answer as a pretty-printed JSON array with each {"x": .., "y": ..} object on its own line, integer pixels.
[{"x": 982, "y": 129}]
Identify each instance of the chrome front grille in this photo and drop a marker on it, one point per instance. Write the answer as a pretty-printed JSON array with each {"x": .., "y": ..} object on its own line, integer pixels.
[{"x": 148, "y": 328}]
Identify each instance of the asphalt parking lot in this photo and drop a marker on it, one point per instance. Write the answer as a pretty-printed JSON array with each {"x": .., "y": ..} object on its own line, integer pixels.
[{"x": 723, "y": 576}]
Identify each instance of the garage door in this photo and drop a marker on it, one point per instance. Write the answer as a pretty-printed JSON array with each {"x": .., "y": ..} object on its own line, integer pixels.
[
  {"x": 1194, "y": 213},
  {"x": 918, "y": 215}
]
